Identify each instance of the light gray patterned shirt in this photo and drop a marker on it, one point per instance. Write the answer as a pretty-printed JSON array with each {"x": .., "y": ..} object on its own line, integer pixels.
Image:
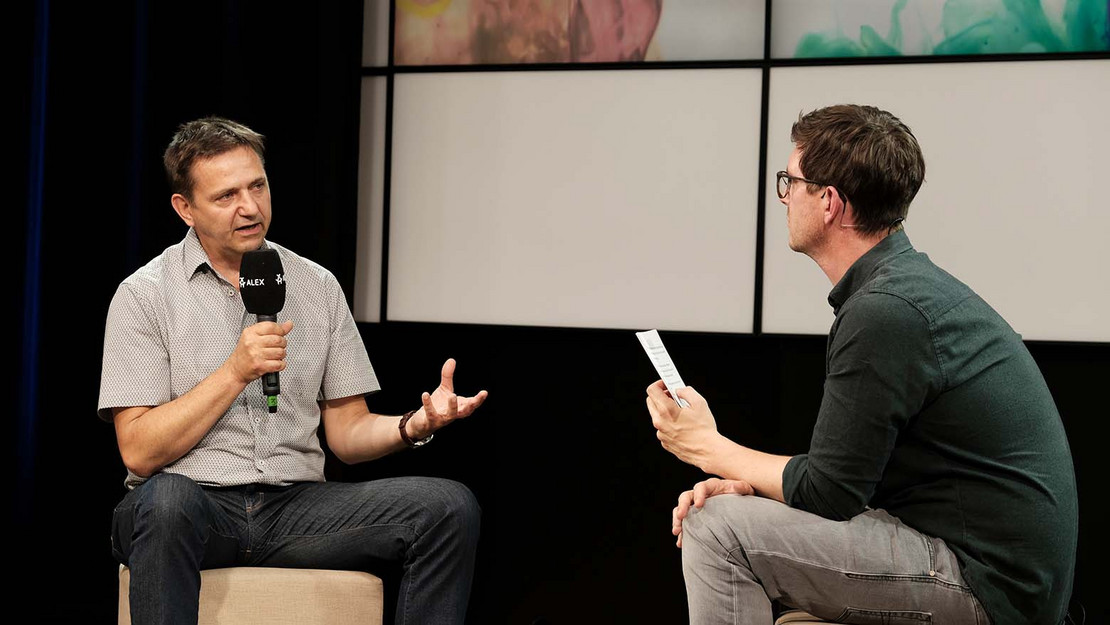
[{"x": 175, "y": 321}]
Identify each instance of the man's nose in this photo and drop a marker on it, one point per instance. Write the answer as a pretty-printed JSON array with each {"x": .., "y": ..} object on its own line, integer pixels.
[{"x": 248, "y": 205}]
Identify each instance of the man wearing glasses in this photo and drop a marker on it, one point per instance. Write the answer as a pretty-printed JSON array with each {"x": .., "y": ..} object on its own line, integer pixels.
[{"x": 938, "y": 485}]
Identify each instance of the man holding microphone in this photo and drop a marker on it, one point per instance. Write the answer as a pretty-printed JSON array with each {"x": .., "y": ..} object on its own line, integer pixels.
[{"x": 215, "y": 479}]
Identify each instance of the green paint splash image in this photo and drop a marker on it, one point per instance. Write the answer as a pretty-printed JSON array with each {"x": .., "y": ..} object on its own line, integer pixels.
[{"x": 978, "y": 27}]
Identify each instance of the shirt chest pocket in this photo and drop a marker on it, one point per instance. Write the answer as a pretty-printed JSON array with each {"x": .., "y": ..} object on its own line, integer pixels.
[{"x": 306, "y": 355}]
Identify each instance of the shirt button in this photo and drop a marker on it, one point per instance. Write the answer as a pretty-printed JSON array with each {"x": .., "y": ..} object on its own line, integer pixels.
[
  {"x": 258, "y": 419},
  {"x": 932, "y": 573}
]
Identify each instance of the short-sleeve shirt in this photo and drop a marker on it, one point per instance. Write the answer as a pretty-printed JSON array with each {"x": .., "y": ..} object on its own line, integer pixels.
[
  {"x": 173, "y": 322},
  {"x": 935, "y": 411}
]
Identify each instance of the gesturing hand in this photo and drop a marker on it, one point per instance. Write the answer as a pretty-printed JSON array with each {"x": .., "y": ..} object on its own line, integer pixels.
[
  {"x": 442, "y": 406},
  {"x": 701, "y": 492}
]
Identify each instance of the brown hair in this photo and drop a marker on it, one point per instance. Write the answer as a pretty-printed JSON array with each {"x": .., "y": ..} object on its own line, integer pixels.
[
  {"x": 201, "y": 139},
  {"x": 867, "y": 154}
]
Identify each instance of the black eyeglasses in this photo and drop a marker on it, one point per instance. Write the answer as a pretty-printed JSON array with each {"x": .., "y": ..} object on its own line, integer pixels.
[{"x": 783, "y": 181}]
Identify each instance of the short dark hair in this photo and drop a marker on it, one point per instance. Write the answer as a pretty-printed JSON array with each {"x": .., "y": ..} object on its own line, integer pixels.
[
  {"x": 201, "y": 139},
  {"x": 866, "y": 153}
]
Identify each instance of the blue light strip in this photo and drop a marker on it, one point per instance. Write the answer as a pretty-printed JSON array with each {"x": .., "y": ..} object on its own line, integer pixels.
[{"x": 28, "y": 391}]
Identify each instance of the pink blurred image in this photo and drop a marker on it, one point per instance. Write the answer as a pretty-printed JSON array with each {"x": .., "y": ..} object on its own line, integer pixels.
[{"x": 454, "y": 32}]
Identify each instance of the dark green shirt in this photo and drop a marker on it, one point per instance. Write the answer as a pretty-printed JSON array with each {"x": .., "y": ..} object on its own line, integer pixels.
[{"x": 935, "y": 411}]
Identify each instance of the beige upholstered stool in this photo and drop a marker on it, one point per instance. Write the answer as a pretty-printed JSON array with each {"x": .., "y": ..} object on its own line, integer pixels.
[
  {"x": 271, "y": 596},
  {"x": 797, "y": 617}
]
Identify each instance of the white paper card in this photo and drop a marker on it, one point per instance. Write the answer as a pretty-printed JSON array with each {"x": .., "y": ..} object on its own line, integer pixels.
[{"x": 664, "y": 366}]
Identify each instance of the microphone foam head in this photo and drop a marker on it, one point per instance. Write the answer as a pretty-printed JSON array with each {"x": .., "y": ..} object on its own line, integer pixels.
[{"x": 262, "y": 282}]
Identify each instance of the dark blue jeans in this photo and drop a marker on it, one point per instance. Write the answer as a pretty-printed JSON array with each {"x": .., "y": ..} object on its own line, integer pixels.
[{"x": 169, "y": 528}]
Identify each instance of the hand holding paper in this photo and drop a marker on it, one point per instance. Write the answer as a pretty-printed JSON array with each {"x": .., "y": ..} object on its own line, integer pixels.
[
  {"x": 685, "y": 426},
  {"x": 664, "y": 366}
]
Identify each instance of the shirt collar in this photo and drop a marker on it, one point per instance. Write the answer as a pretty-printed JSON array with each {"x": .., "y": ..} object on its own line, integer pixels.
[
  {"x": 194, "y": 259},
  {"x": 861, "y": 271}
]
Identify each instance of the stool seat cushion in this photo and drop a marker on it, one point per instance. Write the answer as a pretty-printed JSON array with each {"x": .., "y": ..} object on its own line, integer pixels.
[
  {"x": 274, "y": 596},
  {"x": 797, "y": 617}
]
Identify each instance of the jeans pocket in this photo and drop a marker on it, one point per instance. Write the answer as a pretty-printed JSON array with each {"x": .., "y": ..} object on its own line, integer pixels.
[{"x": 858, "y": 616}]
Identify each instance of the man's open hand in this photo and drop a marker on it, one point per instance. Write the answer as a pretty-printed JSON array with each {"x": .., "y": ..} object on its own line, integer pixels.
[{"x": 442, "y": 406}]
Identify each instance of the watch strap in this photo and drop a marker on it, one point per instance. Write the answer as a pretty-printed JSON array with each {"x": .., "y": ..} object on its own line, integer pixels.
[{"x": 405, "y": 435}]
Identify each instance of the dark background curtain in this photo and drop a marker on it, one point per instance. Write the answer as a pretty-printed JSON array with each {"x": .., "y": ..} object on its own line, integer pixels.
[{"x": 576, "y": 491}]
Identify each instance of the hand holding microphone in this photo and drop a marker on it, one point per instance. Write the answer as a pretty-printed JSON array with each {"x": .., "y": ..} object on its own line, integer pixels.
[{"x": 262, "y": 286}]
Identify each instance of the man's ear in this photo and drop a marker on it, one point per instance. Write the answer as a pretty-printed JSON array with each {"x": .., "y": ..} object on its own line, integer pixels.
[
  {"x": 183, "y": 208},
  {"x": 830, "y": 210}
]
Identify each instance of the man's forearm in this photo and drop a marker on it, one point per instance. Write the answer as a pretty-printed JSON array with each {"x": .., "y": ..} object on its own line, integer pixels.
[
  {"x": 355, "y": 434},
  {"x": 369, "y": 438},
  {"x": 151, "y": 438},
  {"x": 736, "y": 462}
]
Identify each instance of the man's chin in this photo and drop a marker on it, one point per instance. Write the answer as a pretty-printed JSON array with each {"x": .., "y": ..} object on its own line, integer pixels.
[{"x": 249, "y": 244}]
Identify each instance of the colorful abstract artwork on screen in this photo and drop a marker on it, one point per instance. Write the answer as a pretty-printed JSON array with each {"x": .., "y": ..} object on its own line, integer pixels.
[{"x": 854, "y": 28}]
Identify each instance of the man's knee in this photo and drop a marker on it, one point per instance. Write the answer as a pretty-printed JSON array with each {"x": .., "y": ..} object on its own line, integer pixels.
[
  {"x": 459, "y": 504},
  {"x": 447, "y": 506},
  {"x": 164, "y": 509},
  {"x": 733, "y": 521},
  {"x": 171, "y": 503}
]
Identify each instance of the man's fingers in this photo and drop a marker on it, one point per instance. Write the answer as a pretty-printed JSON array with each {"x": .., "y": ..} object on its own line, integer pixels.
[
  {"x": 683, "y": 507},
  {"x": 272, "y": 353},
  {"x": 657, "y": 390},
  {"x": 270, "y": 340},
  {"x": 468, "y": 405},
  {"x": 679, "y": 513},
  {"x": 658, "y": 403},
  {"x": 690, "y": 395},
  {"x": 705, "y": 490},
  {"x": 716, "y": 486},
  {"x": 653, "y": 410},
  {"x": 447, "y": 375},
  {"x": 740, "y": 487}
]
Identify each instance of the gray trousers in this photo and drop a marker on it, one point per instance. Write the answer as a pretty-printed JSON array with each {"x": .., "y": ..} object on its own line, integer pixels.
[{"x": 741, "y": 552}]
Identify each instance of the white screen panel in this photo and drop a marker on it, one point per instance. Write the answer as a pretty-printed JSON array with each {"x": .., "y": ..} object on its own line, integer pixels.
[
  {"x": 371, "y": 181},
  {"x": 694, "y": 30},
  {"x": 583, "y": 199},
  {"x": 1013, "y": 202}
]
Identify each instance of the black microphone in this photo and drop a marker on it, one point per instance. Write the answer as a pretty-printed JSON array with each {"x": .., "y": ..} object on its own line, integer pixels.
[{"x": 262, "y": 285}]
